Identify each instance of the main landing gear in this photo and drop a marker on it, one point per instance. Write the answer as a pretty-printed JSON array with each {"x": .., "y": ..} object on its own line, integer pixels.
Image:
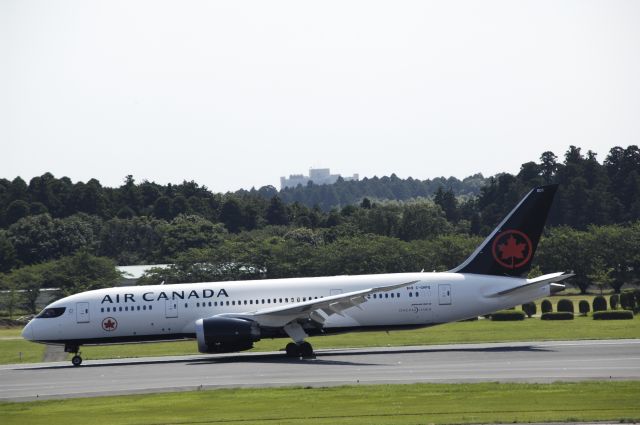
[
  {"x": 76, "y": 360},
  {"x": 298, "y": 348},
  {"x": 304, "y": 350}
]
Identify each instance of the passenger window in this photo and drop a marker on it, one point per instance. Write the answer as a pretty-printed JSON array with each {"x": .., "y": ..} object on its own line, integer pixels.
[
  {"x": 392, "y": 295},
  {"x": 119, "y": 308},
  {"x": 417, "y": 294},
  {"x": 150, "y": 307},
  {"x": 138, "y": 308},
  {"x": 144, "y": 307}
]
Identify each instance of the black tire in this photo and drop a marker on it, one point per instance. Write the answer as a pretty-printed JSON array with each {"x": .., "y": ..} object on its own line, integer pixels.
[
  {"x": 306, "y": 350},
  {"x": 292, "y": 350},
  {"x": 76, "y": 360}
]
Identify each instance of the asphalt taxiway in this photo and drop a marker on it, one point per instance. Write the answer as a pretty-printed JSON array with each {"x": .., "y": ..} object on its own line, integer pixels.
[{"x": 504, "y": 362}]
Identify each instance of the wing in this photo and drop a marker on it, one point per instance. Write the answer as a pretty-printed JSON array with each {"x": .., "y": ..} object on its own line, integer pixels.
[
  {"x": 334, "y": 304},
  {"x": 537, "y": 282}
]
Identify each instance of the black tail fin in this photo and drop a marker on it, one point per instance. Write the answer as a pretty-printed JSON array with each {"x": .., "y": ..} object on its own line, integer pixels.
[{"x": 509, "y": 249}]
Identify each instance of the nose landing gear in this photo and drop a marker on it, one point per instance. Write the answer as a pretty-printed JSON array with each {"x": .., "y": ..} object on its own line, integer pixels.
[{"x": 76, "y": 360}]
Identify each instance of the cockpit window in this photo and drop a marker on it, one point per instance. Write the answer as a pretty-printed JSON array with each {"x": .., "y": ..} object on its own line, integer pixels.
[{"x": 48, "y": 313}]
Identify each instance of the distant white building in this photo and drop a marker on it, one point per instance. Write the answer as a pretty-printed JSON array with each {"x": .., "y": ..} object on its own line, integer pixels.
[{"x": 316, "y": 175}]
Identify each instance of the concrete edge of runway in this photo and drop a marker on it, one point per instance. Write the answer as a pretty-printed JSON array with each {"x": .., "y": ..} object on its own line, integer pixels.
[
  {"x": 320, "y": 352},
  {"x": 313, "y": 383}
]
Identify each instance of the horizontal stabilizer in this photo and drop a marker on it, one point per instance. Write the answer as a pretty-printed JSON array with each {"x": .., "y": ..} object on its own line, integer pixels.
[{"x": 537, "y": 282}]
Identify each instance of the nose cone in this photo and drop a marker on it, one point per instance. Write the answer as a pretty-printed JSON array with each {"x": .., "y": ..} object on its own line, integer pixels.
[{"x": 27, "y": 332}]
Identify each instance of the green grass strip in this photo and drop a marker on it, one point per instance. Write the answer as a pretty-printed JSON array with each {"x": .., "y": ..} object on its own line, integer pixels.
[{"x": 370, "y": 404}]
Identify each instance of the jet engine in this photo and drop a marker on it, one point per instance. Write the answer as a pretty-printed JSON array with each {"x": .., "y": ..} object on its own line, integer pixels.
[{"x": 226, "y": 334}]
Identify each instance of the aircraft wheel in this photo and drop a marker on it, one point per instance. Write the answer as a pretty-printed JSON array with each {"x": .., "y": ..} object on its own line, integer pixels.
[
  {"x": 292, "y": 350},
  {"x": 306, "y": 350},
  {"x": 76, "y": 360}
]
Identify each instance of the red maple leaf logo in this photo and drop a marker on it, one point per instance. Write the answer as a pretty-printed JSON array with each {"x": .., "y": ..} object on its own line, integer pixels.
[
  {"x": 109, "y": 324},
  {"x": 512, "y": 249}
]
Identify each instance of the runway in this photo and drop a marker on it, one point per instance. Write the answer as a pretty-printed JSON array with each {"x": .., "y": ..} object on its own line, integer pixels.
[{"x": 505, "y": 362}]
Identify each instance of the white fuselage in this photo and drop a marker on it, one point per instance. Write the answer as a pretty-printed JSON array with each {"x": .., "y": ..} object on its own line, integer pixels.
[{"x": 165, "y": 312}]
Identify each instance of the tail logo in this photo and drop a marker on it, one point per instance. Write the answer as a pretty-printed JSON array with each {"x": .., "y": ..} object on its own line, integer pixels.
[{"x": 512, "y": 249}]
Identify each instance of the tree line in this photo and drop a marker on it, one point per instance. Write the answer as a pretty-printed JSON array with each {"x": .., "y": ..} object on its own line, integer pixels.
[{"x": 262, "y": 234}]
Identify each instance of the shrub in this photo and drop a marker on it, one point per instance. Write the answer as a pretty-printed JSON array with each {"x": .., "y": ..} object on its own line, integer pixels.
[
  {"x": 613, "y": 315},
  {"x": 546, "y": 306},
  {"x": 507, "y": 315},
  {"x": 614, "y": 301},
  {"x": 583, "y": 307},
  {"x": 565, "y": 305},
  {"x": 529, "y": 309},
  {"x": 560, "y": 315},
  {"x": 627, "y": 300},
  {"x": 599, "y": 303}
]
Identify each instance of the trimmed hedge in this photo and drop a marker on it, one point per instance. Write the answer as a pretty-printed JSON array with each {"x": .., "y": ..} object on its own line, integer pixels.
[
  {"x": 628, "y": 300},
  {"x": 599, "y": 303},
  {"x": 614, "y": 301},
  {"x": 613, "y": 315},
  {"x": 507, "y": 316},
  {"x": 584, "y": 307},
  {"x": 560, "y": 315},
  {"x": 546, "y": 306},
  {"x": 565, "y": 305},
  {"x": 529, "y": 309}
]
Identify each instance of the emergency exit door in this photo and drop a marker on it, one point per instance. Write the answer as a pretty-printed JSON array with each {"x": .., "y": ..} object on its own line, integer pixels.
[
  {"x": 171, "y": 309},
  {"x": 82, "y": 312},
  {"x": 444, "y": 294}
]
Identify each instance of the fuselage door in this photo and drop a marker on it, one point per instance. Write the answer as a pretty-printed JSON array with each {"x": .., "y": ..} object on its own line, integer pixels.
[
  {"x": 444, "y": 294},
  {"x": 171, "y": 309},
  {"x": 82, "y": 312}
]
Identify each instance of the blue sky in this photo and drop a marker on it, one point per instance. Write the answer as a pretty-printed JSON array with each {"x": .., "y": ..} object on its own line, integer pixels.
[{"x": 236, "y": 94}]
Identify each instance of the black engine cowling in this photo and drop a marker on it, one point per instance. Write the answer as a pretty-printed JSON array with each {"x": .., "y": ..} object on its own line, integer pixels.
[{"x": 226, "y": 334}]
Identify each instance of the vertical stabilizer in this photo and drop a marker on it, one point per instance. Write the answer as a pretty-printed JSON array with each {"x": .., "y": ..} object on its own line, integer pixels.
[{"x": 509, "y": 249}]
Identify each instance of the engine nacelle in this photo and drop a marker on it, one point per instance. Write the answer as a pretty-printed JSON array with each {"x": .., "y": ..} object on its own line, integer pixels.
[{"x": 226, "y": 334}]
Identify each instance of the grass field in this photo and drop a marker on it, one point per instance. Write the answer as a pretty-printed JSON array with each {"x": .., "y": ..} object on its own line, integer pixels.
[
  {"x": 378, "y": 404},
  {"x": 461, "y": 332}
]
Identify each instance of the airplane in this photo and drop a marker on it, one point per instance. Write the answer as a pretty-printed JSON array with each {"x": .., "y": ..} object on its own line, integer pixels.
[{"x": 228, "y": 317}]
